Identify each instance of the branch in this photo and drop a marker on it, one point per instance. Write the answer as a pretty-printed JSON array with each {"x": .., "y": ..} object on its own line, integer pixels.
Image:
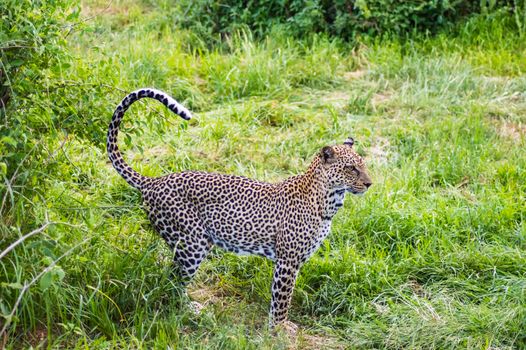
[
  {"x": 34, "y": 280},
  {"x": 30, "y": 234}
]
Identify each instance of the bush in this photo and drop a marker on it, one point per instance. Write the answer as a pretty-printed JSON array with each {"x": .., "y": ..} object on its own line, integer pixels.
[
  {"x": 341, "y": 18},
  {"x": 32, "y": 49},
  {"x": 32, "y": 40}
]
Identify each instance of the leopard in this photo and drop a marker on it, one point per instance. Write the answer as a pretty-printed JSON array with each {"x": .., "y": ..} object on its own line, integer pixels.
[{"x": 286, "y": 221}]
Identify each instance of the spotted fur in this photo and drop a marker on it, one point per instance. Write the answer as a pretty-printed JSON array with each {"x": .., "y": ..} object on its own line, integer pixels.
[{"x": 285, "y": 222}]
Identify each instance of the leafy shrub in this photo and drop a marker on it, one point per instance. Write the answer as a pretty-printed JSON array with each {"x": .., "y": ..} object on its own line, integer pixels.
[
  {"x": 32, "y": 49},
  {"x": 342, "y": 18}
]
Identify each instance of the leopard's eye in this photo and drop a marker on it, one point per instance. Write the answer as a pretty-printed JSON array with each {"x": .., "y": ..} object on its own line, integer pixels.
[{"x": 352, "y": 168}]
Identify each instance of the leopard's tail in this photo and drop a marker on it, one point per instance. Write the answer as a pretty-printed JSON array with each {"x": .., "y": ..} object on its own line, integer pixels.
[{"x": 131, "y": 176}]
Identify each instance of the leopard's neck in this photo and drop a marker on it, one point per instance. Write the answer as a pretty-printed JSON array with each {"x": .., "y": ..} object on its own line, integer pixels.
[
  {"x": 333, "y": 202},
  {"x": 329, "y": 200}
]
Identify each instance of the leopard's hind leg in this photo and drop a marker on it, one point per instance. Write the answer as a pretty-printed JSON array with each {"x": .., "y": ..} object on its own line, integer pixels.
[
  {"x": 189, "y": 252},
  {"x": 189, "y": 241},
  {"x": 186, "y": 235},
  {"x": 191, "y": 248}
]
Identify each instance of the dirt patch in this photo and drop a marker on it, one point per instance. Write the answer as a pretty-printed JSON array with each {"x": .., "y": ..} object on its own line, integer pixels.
[
  {"x": 315, "y": 341},
  {"x": 205, "y": 294},
  {"x": 295, "y": 335},
  {"x": 510, "y": 130},
  {"x": 418, "y": 289},
  {"x": 96, "y": 8},
  {"x": 342, "y": 96},
  {"x": 156, "y": 151},
  {"x": 380, "y": 98},
  {"x": 381, "y": 308},
  {"x": 357, "y": 74},
  {"x": 495, "y": 79},
  {"x": 379, "y": 151},
  {"x": 107, "y": 8},
  {"x": 38, "y": 337},
  {"x": 199, "y": 81},
  {"x": 338, "y": 99}
]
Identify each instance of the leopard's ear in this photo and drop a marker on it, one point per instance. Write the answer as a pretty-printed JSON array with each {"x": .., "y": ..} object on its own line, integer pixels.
[
  {"x": 328, "y": 155},
  {"x": 349, "y": 142}
]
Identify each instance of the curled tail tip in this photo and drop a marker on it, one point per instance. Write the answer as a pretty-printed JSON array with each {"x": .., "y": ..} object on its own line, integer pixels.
[
  {"x": 165, "y": 99},
  {"x": 131, "y": 176},
  {"x": 183, "y": 113}
]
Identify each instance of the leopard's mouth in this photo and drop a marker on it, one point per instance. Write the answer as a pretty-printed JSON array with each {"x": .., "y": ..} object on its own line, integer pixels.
[{"x": 356, "y": 192}]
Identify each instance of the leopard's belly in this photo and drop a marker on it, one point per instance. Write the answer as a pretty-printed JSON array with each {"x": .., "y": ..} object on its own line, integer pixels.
[
  {"x": 323, "y": 232},
  {"x": 246, "y": 246}
]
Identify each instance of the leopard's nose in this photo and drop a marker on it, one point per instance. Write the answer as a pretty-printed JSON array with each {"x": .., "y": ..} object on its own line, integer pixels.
[{"x": 367, "y": 184}]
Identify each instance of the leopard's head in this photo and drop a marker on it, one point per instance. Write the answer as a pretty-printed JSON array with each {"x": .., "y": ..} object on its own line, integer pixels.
[{"x": 345, "y": 169}]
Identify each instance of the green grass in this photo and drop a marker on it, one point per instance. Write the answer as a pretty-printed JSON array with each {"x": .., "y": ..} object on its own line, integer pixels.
[{"x": 433, "y": 257}]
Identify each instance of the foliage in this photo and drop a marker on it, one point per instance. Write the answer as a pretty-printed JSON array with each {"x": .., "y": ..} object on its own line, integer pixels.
[
  {"x": 32, "y": 37},
  {"x": 31, "y": 34},
  {"x": 342, "y": 18}
]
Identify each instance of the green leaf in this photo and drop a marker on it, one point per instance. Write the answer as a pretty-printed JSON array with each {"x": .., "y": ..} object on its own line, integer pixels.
[
  {"x": 48, "y": 254},
  {"x": 47, "y": 260},
  {"x": 59, "y": 273},
  {"x": 46, "y": 280},
  {"x": 16, "y": 63},
  {"x": 9, "y": 140},
  {"x": 15, "y": 285}
]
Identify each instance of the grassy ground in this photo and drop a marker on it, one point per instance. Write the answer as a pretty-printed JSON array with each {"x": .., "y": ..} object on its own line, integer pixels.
[{"x": 433, "y": 257}]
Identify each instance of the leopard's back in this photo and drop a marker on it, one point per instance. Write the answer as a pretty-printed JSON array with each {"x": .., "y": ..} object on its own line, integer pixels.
[{"x": 241, "y": 215}]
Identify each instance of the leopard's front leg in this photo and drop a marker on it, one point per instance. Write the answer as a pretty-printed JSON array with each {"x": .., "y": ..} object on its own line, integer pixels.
[{"x": 285, "y": 273}]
